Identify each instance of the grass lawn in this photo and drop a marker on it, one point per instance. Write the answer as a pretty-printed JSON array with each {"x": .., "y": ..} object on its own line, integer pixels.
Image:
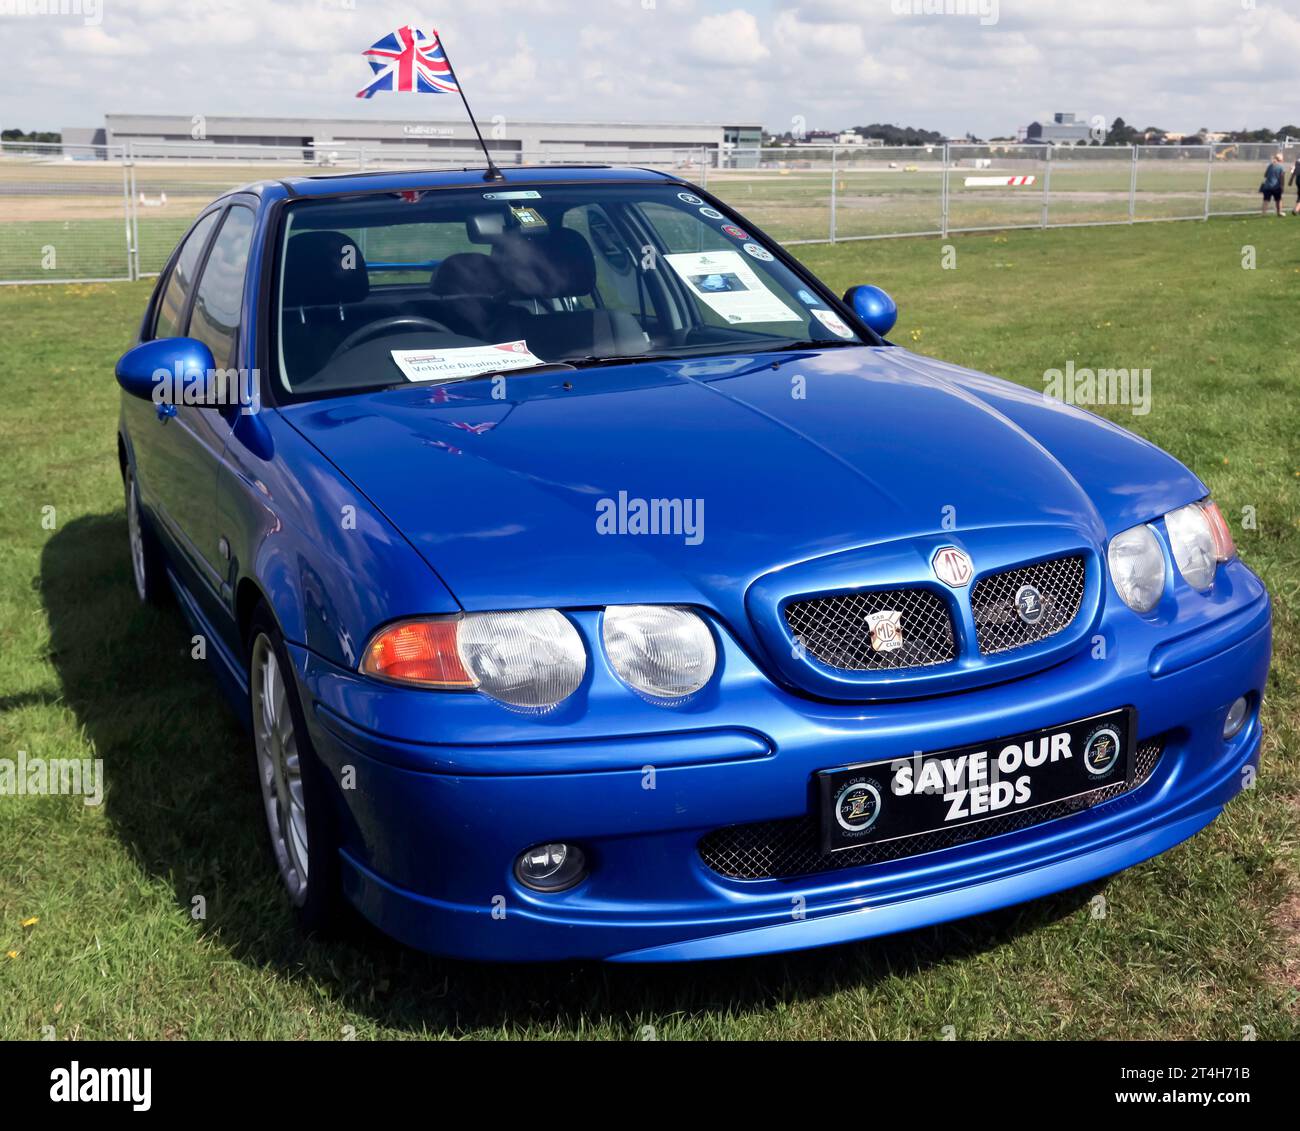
[{"x": 96, "y": 933}]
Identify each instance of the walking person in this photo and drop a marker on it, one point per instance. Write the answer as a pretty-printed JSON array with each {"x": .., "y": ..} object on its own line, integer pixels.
[
  {"x": 1295, "y": 180},
  {"x": 1271, "y": 189}
]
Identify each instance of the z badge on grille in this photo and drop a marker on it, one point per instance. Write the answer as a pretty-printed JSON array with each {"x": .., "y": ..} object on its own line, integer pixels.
[{"x": 882, "y": 801}]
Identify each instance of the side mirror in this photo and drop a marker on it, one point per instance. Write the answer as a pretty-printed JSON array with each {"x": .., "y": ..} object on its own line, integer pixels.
[
  {"x": 874, "y": 307},
  {"x": 140, "y": 370}
]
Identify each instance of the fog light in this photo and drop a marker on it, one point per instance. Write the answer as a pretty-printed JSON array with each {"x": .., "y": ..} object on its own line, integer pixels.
[
  {"x": 1236, "y": 719},
  {"x": 551, "y": 867}
]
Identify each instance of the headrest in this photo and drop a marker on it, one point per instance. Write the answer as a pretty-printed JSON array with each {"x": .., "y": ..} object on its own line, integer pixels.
[
  {"x": 485, "y": 227},
  {"x": 467, "y": 273},
  {"x": 557, "y": 264},
  {"x": 324, "y": 268}
]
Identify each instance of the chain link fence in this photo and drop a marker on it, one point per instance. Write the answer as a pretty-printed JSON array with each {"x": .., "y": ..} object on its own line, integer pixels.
[{"x": 95, "y": 213}]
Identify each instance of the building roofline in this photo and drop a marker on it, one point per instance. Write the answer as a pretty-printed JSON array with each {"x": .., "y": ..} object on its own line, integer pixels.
[{"x": 435, "y": 121}]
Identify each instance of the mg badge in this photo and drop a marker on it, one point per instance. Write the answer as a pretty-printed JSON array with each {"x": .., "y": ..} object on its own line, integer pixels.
[
  {"x": 857, "y": 806},
  {"x": 1029, "y": 604},
  {"x": 886, "y": 630},
  {"x": 952, "y": 566},
  {"x": 1101, "y": 752}
]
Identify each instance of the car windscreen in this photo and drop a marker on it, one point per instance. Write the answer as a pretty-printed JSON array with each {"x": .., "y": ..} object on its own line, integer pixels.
[{"x": 449, "y": 284}]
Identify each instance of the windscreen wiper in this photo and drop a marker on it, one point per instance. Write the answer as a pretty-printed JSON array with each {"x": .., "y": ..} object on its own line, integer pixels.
[
  {"x": 543, "y": 367},
  {"x": 838, "y": 343},
  {"x": 626, "y": 359}
]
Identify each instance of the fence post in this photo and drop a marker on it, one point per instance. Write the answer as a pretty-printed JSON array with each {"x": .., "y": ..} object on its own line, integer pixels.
[
  {"x": 135, "y": 211},
  {"x": 131, "y": 273},
  {"x": 1047, "y": 187},
  {"x": 1133, "y": 188},
  {"x": 944, "y": 191},
  {"x": 704, "y": 167},
  {"x": 132, "y": 211},
  {"x": 834, "y": 188},
  {"x": 1209, "y": 179}
]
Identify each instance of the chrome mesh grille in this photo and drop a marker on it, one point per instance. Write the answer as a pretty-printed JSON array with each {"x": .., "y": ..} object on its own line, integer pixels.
[
  {"x": 834, "y": 630},
  {"x": 1000, "y": 628},
  {"x": 777, "y": 849}
]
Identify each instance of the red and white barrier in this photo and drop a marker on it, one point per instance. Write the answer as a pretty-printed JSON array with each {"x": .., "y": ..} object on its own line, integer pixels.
[{"x": 989, "y": 182}]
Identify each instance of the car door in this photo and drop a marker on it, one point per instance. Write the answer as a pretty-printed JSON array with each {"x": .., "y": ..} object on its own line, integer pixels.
[
  {"x": 156, "y": 437},
  {"x": 185, "y": 449}
]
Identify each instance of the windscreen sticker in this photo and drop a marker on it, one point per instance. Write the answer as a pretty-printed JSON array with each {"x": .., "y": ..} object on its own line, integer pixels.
[
  {"x": 833, "y": 322},
  {"x": 734, "y": 232},
  {"x": 730, "y": 287},
  {"x": 711, "y": 213},
  {"x": 809, "y": 298},
  {"x": 516, "y": 194},
  {"x": 759, "y": 252},
  {"x": 689, "y": 198},
  {"x": 466, "y": 361}
]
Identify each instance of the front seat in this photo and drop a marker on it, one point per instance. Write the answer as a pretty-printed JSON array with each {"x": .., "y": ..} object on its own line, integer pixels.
[
  {"x": 560, "y": 265},
  {"x": 467, "y": 290},
  {"x": 324, "y": 274}
]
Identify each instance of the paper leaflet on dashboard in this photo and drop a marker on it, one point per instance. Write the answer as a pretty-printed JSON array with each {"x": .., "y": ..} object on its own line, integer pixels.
[
  {"x": 724, "y": 282},
  {"x": 464, "y": 361}
]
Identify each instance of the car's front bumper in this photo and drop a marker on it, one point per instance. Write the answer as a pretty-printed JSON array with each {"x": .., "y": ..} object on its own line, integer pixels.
[{"x": 432, "y": 829}]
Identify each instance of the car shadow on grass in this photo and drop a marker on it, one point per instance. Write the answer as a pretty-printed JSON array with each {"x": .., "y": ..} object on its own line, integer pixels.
[{"x": 183, "y": 800}]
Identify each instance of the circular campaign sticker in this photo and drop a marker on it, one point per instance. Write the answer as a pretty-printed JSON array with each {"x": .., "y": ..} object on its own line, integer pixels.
[
  {"x": 1101, "y": 751},
  {"x": 833, "y": 322},
  {"x": 857, "y": 806},
  {"x": 711, "y": 213},
  {"x": 759, "y": 252},
  {"x": 737, "y": 233},
  {"x": 689, "y": 198}
]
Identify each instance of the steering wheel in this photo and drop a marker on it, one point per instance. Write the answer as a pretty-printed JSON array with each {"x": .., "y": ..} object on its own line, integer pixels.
[{"x": 383, "y": 326}]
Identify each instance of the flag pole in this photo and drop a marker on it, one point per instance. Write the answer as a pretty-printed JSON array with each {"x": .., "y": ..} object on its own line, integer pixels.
[{"x": 493, "y": 173}]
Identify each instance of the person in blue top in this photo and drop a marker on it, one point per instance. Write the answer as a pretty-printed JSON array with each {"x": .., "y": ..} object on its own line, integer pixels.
[{"x": 1274, "y": 178}]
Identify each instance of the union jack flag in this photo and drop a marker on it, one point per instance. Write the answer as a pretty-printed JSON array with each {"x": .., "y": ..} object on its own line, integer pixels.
[{"x": 409, "y": 61}]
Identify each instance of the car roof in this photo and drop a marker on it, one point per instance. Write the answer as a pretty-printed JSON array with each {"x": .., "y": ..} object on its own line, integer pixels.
[{"x": 332, "y": 184}]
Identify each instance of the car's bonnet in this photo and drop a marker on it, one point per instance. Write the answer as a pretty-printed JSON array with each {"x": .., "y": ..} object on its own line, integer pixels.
[{"x": 529, "y": 491}]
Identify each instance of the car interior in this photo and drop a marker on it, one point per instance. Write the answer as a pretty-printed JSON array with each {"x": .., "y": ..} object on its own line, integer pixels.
[
  {"x": 540, "y": 287},
  {"x": 574, "y": 276}
]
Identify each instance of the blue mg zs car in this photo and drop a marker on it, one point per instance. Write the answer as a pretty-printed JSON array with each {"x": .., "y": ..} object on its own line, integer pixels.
[{"x": 597, "y": 584}]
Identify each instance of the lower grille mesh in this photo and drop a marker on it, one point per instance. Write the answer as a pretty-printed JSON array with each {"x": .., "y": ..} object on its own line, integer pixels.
[{"x": 778, "y": 849}]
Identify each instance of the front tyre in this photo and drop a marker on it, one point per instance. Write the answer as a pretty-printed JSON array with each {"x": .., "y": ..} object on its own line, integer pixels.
[
  {"x": 146, "y": 562},
  {"x": 295, "y": 791}
]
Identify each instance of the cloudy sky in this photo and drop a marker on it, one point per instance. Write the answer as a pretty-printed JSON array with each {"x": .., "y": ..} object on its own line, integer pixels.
[{"x": 985, "y": 66}]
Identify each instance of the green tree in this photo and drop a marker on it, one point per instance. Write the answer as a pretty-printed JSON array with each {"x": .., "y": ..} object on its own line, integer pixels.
[{"x": 1121, "y": 133}]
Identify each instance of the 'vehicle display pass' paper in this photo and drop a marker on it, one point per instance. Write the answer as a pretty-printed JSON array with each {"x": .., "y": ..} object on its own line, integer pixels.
[{"x": 464, "y": 361}]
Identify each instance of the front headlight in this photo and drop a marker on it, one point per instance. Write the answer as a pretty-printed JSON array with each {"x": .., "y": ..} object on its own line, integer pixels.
[
  {"x": 1191, "y": 537},
  {"x": 660, "y": 650},
  {"x": 533, "y": 658},
  {"x": 1137, "y": 567}
]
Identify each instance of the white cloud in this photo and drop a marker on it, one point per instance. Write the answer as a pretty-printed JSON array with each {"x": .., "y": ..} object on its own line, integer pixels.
[
  {"x": 1176, "y": 63},
  {"x": 728, "y": 39},
  {"x": 818, "y": 37}
]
